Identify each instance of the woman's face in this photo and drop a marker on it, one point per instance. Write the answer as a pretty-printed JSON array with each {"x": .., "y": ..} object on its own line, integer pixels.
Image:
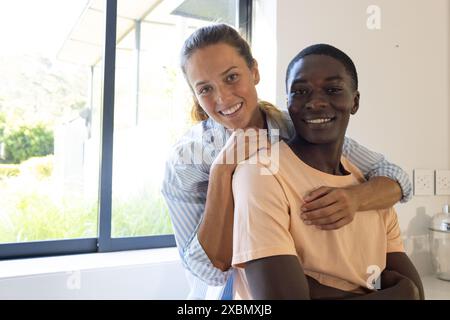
[
  {"x": 224, "y": 86},
  {"x": 321, "y": 97}
]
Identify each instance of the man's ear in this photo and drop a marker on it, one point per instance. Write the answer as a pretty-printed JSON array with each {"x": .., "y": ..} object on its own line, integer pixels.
[
  {"x": 255, "y": 72},
  {"x": 355, "y": 103}
]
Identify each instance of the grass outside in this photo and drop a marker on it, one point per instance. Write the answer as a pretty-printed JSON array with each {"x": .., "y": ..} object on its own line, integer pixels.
[{"x": 30, "y": 210}]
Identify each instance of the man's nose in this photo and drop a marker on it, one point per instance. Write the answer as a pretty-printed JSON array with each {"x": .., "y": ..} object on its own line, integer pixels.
[{"x": 316, "y": 100}]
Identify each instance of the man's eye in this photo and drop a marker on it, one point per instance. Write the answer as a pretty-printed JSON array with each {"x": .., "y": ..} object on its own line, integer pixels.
[
  {"x": 334, "y": 90},
  {"x": 299, "y": 92}
]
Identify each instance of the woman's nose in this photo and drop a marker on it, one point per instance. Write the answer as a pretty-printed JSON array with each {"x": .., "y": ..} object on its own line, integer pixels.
[{"x": 223, "y": 94}]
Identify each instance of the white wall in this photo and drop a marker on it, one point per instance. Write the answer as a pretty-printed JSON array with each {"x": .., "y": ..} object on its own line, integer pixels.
[{"x": 404, "y": 82}]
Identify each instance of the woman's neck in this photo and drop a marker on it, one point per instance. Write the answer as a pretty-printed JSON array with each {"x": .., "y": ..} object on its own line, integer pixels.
[
  {"x": 324, "y": 157},
  {"x": 258, "y": 120}
]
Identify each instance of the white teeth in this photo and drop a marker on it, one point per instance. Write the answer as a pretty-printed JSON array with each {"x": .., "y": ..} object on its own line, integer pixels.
[
  {"x": 231, "y": 110},
  {"x": 322, "y": 120}
]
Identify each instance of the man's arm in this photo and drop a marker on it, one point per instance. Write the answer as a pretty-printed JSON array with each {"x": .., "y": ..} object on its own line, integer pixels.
[
  {"x": 400, "y": 262},
  {"x": 277, "y": 277}
]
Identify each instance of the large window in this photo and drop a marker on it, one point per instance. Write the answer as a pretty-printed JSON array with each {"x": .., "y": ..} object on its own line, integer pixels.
[
  {"x": 47, "y": 152},
  {"x": 89, "y": 108}
]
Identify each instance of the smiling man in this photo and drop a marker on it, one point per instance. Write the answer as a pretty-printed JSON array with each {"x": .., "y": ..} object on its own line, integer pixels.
[{"x": 280, "y": 257}]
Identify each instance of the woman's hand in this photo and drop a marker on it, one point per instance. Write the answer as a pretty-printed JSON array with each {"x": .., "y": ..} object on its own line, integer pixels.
[
  {"x": 330, "y": 208},
  {"x": 242, "y": 144}
]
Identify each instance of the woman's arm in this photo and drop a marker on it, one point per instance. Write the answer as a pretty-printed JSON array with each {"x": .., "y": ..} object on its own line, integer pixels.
[
  {"x": 185, "y": 194},
  {"x": 203, "y": 221},
  {"x": 332, "y": 208},
  {"x": 373, "y": 164},
  {"x": 215, "y": 233}
]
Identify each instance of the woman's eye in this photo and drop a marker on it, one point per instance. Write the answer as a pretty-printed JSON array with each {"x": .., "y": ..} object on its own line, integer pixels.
[
  {"x": 204, "y": 90},
  {"x": 232, "y": 77}
]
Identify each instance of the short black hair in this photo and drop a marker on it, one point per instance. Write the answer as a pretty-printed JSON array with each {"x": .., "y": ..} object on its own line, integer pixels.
[{"x": 326, "y": 50}]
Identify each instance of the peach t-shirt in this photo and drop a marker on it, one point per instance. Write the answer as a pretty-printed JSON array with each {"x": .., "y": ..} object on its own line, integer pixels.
[{"x": 267, "y": 223}]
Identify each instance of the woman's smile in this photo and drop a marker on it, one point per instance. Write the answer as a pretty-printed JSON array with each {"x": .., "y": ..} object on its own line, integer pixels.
[{"x": 232, "y": 111}]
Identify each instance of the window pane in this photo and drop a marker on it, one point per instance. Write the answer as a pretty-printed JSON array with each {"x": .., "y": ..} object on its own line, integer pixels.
[
  {"x": 152, "y": 105},
  {"x": 49, "y": 120}
]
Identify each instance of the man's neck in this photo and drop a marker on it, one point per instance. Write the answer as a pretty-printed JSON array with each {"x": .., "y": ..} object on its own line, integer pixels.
[{"x": 325, "y": 157}]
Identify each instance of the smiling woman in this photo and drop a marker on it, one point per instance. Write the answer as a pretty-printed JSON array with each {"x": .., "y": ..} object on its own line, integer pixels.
[{"x": 227, "y": 95}]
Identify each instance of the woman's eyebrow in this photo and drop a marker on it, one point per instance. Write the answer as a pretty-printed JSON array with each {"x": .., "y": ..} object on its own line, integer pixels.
[
  {"x": 228, "y": 70},
  {"x": 199, "y": 83}
]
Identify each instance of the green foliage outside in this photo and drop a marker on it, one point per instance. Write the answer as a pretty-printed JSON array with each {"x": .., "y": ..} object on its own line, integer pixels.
[
  {"x": 142, "y": 215},
  {"x": 30, "y": 212},
  {"x": 35, "y": 91},
  {"x": 25, "y": 142},
  {"x": 9, "y": 170},
  {"x": 2, "y": 126}
]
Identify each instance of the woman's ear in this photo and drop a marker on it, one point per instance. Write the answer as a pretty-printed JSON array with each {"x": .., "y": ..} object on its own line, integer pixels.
[
  {"x": 355, "y": 103},
  {"x": 255, "y": 72}
]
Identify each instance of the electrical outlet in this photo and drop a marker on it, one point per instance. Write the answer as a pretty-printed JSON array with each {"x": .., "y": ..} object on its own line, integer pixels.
[
  {"x": 423, "y": 182},
  {"x": 442, "y": 182}
]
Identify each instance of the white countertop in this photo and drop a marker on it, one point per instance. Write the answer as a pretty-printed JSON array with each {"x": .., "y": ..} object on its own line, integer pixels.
[{"x": 436, "y": 289}]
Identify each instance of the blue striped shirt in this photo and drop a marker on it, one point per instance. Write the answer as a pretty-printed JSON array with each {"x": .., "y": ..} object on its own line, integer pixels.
[{"x": 186, "y": 178}]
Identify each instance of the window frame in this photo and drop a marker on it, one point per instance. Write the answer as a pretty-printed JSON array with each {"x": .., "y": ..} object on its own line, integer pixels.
[{"x": 104, "y": 242}]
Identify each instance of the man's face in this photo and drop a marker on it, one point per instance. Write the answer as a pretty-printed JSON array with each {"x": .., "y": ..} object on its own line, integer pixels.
[{"x": 321, "y": 97}]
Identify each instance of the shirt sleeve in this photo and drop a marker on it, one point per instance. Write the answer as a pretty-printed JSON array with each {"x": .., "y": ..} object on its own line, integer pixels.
[
  {"x": 261, "y": 216},
  {"x": 394, "y": 236},
  {"x": 374, "y": 164},
  {"x": 184, "y": 189}
]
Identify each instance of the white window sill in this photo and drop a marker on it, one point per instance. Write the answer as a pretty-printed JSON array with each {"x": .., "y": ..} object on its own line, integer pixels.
[
  {"x": 434, "y": 288},
  {"x": 79, "y": 262}
]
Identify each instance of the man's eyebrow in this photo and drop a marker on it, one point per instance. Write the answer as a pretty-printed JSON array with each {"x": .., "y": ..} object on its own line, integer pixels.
[
  {"x": 334, "y": 78},
  {"x": 300, "y": 80},
  {"x": 199, "y": 83}
]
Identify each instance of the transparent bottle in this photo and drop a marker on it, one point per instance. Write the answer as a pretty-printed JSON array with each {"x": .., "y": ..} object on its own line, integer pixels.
[{"x": 440, "y": 243}]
